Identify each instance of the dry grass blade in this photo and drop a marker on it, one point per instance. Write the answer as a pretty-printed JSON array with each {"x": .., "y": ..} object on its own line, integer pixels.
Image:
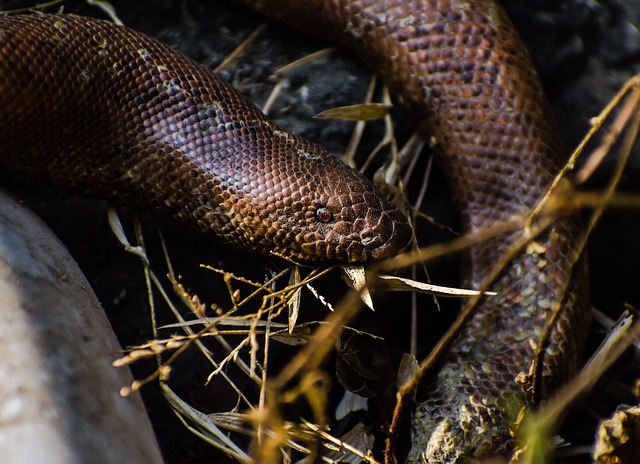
[
  {"x": 353, "y": 447},
  {"x": 206, "y": 428},
  {"x": 439, "y": 250},
  {"x": 320, "y": 55},
  {"x": 107, "y": 8},
  {"x": 614, "y": 132},
  {"x": 560, "y": 199},
  {"x": 273, "y": 97},
  {"x": 388, "y": 141},
  {"x": 39, "y": 6},
  {"x": 355, "y": 277},
  {"x": 542, "y": 424},
  {"x": 270, "y": 300},
  {"x": 116, "y": 227},
  {"x": 244, "y": 324},
  {"x": 400, "y": 284},
  {"x": 304, "y": 366},
  {"x": 358, "y": 129},
  {"x": 538, "y": 427},
  {"x": 240, "y": 49},
  {"x": 179, "y": 344},
  {"x": 294, "y": 301},
  {"x": 359, "y": 112}
]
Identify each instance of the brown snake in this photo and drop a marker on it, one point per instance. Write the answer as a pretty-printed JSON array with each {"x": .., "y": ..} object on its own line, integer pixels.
[
  {"x": 462, "y": 69},
  {"x": 111, "y": 112},
  {"x": 457, "y": 64}
]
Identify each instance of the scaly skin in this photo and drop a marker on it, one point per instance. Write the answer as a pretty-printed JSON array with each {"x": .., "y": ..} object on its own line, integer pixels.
[
  {"x": 461, "y": 68},
  {"x": 111, "y": 112},
  {"x": 459, "y": 65}
]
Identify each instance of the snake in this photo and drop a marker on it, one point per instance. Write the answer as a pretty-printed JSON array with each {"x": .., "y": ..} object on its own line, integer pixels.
[
  {"x": 110, "y": 112},
  {"x": 101, "y": 108}
]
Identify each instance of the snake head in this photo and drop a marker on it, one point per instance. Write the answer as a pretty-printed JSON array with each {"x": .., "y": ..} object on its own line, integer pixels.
[
  {"x": 246, "y": 181},
  {"x": 296, "y": 200},
  {"x": 352, "y": 221},
  {"x": 329, "y": 211}
]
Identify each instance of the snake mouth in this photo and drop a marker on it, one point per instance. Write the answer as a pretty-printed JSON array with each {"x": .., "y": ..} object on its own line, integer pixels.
[{"x": 398, "y": 234}]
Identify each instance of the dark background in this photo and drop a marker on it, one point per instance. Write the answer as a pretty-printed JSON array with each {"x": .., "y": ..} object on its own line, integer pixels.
[{"x": 584, "y": 51}]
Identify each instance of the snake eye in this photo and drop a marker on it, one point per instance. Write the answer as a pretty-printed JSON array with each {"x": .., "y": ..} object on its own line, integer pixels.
[{"x": 324, "y": 215}]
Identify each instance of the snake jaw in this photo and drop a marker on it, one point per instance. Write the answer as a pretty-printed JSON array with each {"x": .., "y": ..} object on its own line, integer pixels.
[
  {"x": 369, "y": 230},
  {"x": 326, "y": 210},
  {"x": 356, "y": 241},
  {"x": 398, "y": 232}
]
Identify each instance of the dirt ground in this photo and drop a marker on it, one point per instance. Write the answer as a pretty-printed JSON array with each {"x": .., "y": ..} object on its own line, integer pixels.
[{"x": 584, "y": 49}]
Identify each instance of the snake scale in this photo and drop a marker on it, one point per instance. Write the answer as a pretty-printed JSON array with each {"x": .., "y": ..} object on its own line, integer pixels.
[
  {"x": 118, "y": 115},
  {"x": 111, "y": 112}
]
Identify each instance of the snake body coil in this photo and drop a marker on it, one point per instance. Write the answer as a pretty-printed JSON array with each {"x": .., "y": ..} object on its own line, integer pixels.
[
  {"x": 109, "y": 111},
  {"x": 459, "y": 65}
]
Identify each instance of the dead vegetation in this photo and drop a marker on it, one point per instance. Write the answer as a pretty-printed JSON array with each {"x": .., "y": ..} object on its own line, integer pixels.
[
  {"x": 253, "y": 318},
  {"x": 256, "y": 315}
]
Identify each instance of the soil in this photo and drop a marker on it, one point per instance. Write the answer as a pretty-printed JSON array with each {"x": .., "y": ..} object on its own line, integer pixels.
[{"x": 584, "y": 50}]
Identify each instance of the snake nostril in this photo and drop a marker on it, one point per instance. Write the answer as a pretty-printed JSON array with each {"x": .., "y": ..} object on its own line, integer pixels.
[{"x": 324, "y": 215}]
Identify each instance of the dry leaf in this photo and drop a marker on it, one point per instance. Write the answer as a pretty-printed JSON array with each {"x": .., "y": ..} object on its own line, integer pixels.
[
  {"x": 400, "y": 284},
  {"x": 355, "y": 277},
  {"x": 294, "y": 301},
  {"x": 360, "y": 112}
]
